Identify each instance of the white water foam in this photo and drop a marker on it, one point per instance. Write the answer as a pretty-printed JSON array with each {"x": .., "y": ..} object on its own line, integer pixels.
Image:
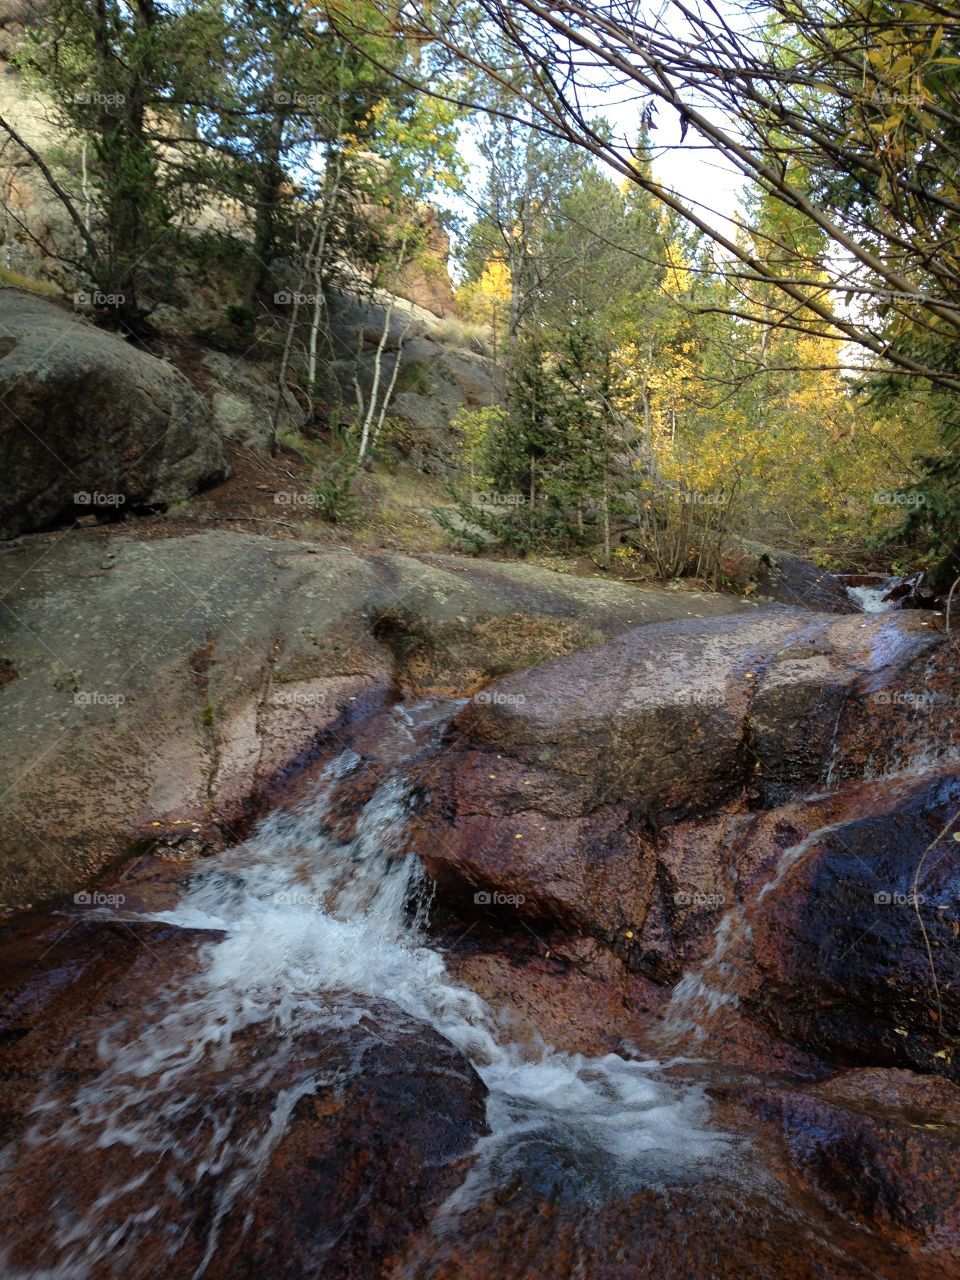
[
  {"x": 306, "y": 918},
  {"x": 870, "y": 599}
]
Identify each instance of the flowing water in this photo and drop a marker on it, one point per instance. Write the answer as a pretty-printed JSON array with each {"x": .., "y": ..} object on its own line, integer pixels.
[
  {"x": 871, "y": 599},
  {"x": 703, "y": 994},
  {"x": 313, "y": 931}
]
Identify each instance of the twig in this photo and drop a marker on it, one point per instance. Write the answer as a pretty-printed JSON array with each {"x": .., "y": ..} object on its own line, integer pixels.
[
  {"x": 950, "y": 602},
  {"x": 923, "y": 927}
]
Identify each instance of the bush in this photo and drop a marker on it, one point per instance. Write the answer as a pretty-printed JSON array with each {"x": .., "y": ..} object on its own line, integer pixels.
[
  {"x": 334, "y": 494},
  {"x": 469, "y": 334}
]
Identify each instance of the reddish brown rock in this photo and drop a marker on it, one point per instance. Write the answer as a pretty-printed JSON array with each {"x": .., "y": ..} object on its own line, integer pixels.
[
  {"x": 903, "y": 720},
  {"x": 831, "y": 1181},
  {"x": 268, "y": 653},
  {"x": 882, "y": 1146},
  {"x": 59, "y": 974},
  {"x": 568, "y": 992},
  {"x": 367, "y": 1158},
  {"x": 568, "y": 1217},
  {"x": 847, "y": 962},
  {"x": 542, "y": 803},
  {"x": 653, "y": 718},
  {"x": 298, "y": 1150},
  {"x": 697, "y": 872},
  {"x": 591, "y": 873}
]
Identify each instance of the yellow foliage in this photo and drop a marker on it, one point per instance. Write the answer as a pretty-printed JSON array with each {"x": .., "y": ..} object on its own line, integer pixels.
[
  {"x": 677, "y": 280},
  {"x": 792, "y": 458},
  {"x": 486, "y": 300}
]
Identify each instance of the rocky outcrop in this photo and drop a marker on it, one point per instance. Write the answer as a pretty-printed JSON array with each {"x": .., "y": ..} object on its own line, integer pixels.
[
  {"x": 243, "y": 401},
  {"x": 437, "y": 376},
  {"x": 854, "y": 953},
  {"x": 788, "y": 579},
  {"x": 905, "y": 721},
  {"x": 723, "y": 1224},
  {"x": 88, "y": 424},
  {"x": 638, "y": 849},
  {"x": 426, "y": 280},
  {"x": 172, "y": 682},
  {"x": 880, "y": 1146},
  {"x": 16, "y": 18},
  {"x": 556, "y": 779},
  {"x": 668, "y": 795}
]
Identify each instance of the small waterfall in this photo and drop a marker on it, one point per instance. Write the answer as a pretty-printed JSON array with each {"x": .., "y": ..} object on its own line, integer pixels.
[
  {"x": 313, "y": 929},
  {"x": 701, "y": 996},
  {"x": 829, "y": 776},
  {"x": 871, "y": 599},
  {"x": 702, "y": 993}
]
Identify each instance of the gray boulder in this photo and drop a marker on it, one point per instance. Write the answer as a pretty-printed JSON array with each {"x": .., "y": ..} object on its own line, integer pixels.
[
  {"x": 243, "y": 401},
  {"x": 789, "y": 579},
  {"x": 90, "y": 424}
]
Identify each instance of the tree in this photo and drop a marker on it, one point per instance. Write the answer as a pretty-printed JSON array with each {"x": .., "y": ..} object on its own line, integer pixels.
[
  {"x": 299, "y": 92},
  {"x": 526, "y": 179},
  {"x": 117, "y": 76},
  {"x": 867, "y": 92}
]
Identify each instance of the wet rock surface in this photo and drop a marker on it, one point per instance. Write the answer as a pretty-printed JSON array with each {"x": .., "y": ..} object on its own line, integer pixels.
[
  {"x": 59, "y": 979},
  {"x": 672, "y": 1230},
  {"x": 313, "y": 1127},
  {"x": 178, "y": 681},
  {"x": 880, "y": 1146},
  {"x": 789, "y": 579},
  {"x": 668, "y": 1002},
  {"x": 857, "y": 948},
  {"x": 565, "y": 784}
]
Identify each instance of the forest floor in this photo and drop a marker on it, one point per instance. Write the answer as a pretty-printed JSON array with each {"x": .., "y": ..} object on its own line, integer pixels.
[{"x": 271, "y": 496}]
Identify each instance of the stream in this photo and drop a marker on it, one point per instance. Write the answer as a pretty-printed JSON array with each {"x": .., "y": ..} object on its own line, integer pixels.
[
  {"x": 317, "y": 929},
  {"x": 312, "y": 929}
]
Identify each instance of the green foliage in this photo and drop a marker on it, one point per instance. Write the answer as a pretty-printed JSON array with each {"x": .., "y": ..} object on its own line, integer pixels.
[
  {"x": 235, "y": 335},
  {"x": 334, "y": 494},
  {"x": 647, "y": 424},
  {"x": 116, "y": 75},
  {"x": 643, "y": 417}
]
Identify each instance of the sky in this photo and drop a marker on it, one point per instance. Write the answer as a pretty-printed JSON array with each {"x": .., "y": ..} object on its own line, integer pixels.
[{"x": 691, "y": 167}]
